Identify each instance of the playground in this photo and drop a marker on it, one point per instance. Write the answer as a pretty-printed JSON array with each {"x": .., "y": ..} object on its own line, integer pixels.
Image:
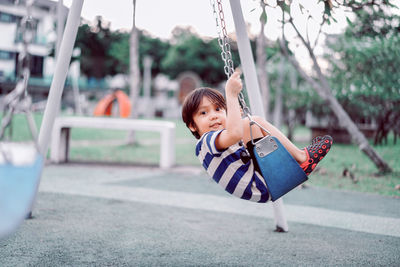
[
  {"x": 119, "y": 183},
  {"x": 134, "y": 216}
]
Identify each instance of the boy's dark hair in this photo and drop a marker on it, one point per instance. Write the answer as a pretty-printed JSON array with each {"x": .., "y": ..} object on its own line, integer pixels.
[{"x": 192, "y": 103}]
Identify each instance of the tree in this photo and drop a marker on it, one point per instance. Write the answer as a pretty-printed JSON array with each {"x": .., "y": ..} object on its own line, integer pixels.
[
  {"x": 320, "y": 83},
  {"x": 134, "y": 72},
  {"x": 148, "y": 45},
  {"x": 262, "y": 61},
  {"x": 154, "y": 47},
  {"x": 295, "y": 93},
  {"x": 95, "y": 43},
  {"x": 364, "y": 70},
  {"x": 189, "y": 52}
]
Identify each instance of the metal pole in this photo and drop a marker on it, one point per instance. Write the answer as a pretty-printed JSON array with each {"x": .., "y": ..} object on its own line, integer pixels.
[
  {"x": 246, "y": 60},
  {"x": 147, "y": 62},
  {"x": 60, "y": 74},
  {"x": 250, "y": 78},
  {"x": 60, "y": 25}
]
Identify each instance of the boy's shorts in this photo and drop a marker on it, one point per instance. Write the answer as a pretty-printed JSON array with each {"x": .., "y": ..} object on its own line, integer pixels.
[{"x": 250, "y": 149}]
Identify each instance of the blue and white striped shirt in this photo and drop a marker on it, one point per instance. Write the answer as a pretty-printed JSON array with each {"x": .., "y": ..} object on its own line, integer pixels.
[{"x": 229, "y": 171}]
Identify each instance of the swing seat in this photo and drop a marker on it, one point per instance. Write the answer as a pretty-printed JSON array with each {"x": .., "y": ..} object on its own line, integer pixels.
[
  {"x": 280, "y": 170},
  {"x": 18, "y": 186}
]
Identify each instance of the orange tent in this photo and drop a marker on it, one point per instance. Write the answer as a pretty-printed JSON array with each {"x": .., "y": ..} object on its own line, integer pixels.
[{"x": 104, "y": 107}]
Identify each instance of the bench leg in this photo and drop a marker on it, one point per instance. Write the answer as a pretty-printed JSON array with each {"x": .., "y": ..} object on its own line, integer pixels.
[
  {"x": 167, "y": 147},
  {"x": 64, "y": 144},
  {"x": 59, "y": 145},
  {"x": 55, "y": 144}
]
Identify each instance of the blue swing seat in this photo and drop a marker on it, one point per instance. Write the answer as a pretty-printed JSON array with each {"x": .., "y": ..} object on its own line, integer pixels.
[
  {"x": 18, "y": 187},
  {"x": 280, "y": 170}
]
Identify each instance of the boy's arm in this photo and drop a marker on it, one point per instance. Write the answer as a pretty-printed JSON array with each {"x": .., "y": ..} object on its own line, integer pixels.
[{"x": 234, "y": 127}]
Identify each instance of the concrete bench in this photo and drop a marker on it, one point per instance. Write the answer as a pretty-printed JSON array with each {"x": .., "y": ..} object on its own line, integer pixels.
[{"x": 62, "y": 125}]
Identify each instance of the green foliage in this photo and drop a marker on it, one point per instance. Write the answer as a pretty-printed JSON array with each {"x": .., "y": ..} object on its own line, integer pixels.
[
  {"x": 105, "y": 52},
  {"x": 295, "y": 97},
  {"x": 120, "y": 51},
  {"x": 155, "y": 48},
  {"x": 192, "y": 53},
  {"x": 364, "y": 72},
  {"x": 95, "y": 43},
  {"x": 148, "y": 46},
  {"x": 283, "y": 5},
  {"x": 197, "y": 55},
  {"x": 263, "y": 16},
  {"x": 372, "y": 18}
]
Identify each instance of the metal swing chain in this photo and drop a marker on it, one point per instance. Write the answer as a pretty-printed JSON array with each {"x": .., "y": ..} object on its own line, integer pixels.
[
  {"x": 226, "y": 54},
  {"x": 19, "y": 98}
]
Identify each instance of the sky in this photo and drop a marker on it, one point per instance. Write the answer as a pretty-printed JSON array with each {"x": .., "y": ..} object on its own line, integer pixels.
[{"x": 160, "y": 17}]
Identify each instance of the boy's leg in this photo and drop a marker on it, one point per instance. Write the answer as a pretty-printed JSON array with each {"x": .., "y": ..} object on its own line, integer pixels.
[{"x": 298, "y": 154}]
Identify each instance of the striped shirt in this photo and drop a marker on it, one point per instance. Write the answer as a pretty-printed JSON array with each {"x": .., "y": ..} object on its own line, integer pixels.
[{"x": 229, "y": 171}]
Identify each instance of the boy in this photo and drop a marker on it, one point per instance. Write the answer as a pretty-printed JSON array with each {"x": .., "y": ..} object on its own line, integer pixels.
[{"x": 219, "y": 126}]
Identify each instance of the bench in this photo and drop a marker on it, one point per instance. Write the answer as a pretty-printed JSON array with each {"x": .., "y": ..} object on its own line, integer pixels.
[{"x": 62, "y": 125}]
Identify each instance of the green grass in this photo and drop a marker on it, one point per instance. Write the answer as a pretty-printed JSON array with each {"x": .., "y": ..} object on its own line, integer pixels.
[
  {"x": 109, "y": 146},
  {"x": 365, "y": 175}
]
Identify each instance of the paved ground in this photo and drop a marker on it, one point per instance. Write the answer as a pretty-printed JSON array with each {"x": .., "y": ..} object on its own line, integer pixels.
[{"x": 134, "y": 216}]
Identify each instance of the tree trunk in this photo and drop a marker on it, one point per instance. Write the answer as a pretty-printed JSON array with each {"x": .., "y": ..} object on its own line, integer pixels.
[
  {"x": 324, "y": 91},
  {"x": 261, "y": 65},
  {"x": 75, "y": 73},
  {"x": 291, "y": 118},
  {"x": 278, "y": 96},
  {"x": 147, "y": 62},
  {"x": 134, "y": 73}
]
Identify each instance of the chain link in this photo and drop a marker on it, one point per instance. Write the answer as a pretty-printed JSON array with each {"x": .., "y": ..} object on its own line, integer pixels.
[{"x": 223, "y": 39}]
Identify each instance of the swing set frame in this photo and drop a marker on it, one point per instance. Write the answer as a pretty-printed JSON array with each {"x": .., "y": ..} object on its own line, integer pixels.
[{"x": 64, "y": 58}]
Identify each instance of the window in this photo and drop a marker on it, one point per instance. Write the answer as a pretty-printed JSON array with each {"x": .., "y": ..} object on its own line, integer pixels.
[
  {"x": 9, "y": 18},
  {"x": 36, "y": 65},
  {"x": 6, "y": 55}
]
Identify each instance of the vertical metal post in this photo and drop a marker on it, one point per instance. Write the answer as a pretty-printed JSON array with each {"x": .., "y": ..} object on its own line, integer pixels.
[
  {"x": 60, "y": 74},
  {"x": 147, "y": 62},
  {"x": 60, "y": 25},
  {"x": 250, "y": 78}
]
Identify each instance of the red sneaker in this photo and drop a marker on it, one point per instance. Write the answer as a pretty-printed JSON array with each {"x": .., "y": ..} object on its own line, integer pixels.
[{"x": 316, "y": 151}]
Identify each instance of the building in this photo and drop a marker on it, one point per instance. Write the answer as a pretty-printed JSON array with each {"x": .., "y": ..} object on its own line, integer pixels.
[{"x": 44, "y": 15}]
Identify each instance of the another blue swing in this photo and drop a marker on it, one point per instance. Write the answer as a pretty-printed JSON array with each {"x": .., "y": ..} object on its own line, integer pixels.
[
  {"x": 18, "y": 185},
  {"x": 20, "y": 164},
  {"x": 20, "y": 168}
]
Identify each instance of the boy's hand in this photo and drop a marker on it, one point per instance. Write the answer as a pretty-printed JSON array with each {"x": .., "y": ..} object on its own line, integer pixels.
[
  {"x": 234, "y": 84},
  {"x": 233, "y": 124}
]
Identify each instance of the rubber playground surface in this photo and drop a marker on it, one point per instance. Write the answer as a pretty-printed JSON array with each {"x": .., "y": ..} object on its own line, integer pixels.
[{"x": 98, "y": 215}]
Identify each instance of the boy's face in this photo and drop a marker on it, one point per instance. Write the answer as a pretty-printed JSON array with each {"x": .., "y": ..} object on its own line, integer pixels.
[{"x": 208, "y": 117}]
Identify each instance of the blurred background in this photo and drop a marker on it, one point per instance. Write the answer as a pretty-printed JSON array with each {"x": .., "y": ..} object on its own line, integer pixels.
[{"x": 328, "y": 66}]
